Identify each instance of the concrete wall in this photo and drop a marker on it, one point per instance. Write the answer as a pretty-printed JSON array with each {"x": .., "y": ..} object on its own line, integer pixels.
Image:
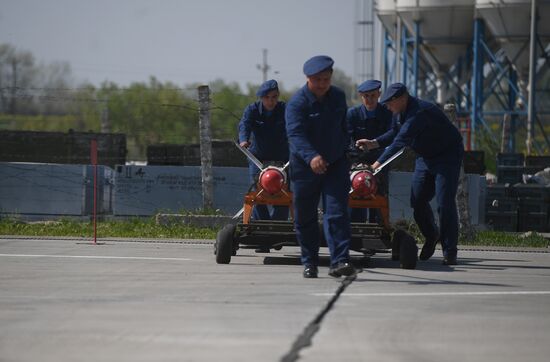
[
  {"x": 51, "y": 190},
  {"x": 146, "y": 190},
  {"x": 400, "y": 191}
]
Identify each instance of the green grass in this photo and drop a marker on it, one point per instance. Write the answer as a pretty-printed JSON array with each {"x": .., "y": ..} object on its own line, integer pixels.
[
  {"x": 498, "y": 238},
  {"x": 489, "y": 238},
  {"x": 134, "y": 228},
  {"x": 148, "y": 228}
]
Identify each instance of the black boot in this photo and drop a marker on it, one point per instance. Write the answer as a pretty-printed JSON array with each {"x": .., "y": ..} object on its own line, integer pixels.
[
  {"x": 310, "y": 271},
  {"x": 341, "y": 269},
  {"x": 428, "y": 250},
  {"x": 450, "y": 260}
]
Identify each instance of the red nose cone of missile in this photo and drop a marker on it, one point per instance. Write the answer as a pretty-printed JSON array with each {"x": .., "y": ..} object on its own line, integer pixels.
[
  {"x": 272, "y": 181},
  {"x": 363, "y": 183}
]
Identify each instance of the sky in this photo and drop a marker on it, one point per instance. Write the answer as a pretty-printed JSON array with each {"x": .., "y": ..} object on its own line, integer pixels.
[{"x": 182, "y": 41}]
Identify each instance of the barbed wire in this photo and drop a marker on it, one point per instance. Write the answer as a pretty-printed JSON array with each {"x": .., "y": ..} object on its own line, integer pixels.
[
  {"x": 116, "y": 88},
  {"x": 98, "y": 101},
  {"x": 22, "y": 169},
  {"x": 30, "y": 97},
  {"x": 12, "y": 89},
  {"x": 214, "y": 107},
  {"x": 48, "y": 187},
  {"x": 16, "y": 92}
]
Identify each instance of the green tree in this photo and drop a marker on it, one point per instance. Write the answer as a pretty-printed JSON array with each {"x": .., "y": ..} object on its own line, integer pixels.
[
  {"x": 150, "y": 114},
  {"x": 16, "y": 71},
  {"x": 344, "y": 82},
  {"x": 228, "y": 104},
  {"x": 27, "y": 88}
]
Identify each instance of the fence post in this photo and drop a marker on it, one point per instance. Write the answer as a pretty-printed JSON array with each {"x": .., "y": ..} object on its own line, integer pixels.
[
  {"x": 205, "y": 148},
  {"x": 93, "y": 158},
  {"x": 466, "y": 230}
]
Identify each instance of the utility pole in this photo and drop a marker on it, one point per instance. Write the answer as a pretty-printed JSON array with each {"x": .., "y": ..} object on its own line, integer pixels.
[
  {"x": 206, "y": 148},
  {"x": 264, "y": 67}
]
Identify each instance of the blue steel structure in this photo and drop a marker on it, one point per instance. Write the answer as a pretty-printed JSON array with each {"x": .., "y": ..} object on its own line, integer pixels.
[
  {"x": 500, "y": 70},
  {"x": 476, "y": 92},
  {"x": 489, "y": 70},
  {"x": 409, "y": 72}
]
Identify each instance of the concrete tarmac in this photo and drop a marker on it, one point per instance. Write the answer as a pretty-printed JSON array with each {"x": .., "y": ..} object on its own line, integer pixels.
[{"x": 66, "y": 300}]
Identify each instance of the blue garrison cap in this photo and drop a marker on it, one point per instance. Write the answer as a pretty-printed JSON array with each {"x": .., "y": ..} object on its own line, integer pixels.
[
  {"x": 317, "y": 64},
  {"x": 369, "y": 85},
  {"x": 267, "y": 87},
  {"x": 394, "y": 91}
]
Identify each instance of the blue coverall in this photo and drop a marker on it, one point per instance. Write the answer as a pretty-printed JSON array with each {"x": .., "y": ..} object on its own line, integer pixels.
[
  {"x": 319, "y": 128},
  {"x": 363, "y": 123},
  {"x": 266, "y": 131},
  {"x": 439, "y": 148}
]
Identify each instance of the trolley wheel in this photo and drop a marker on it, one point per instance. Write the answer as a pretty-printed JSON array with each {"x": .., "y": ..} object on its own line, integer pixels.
[
  {"x": 396, "y": 244},
  {"x": 224, "y": 244},
  {"x": 408, "y": 252},
  {"x": 233, "y": 253}
]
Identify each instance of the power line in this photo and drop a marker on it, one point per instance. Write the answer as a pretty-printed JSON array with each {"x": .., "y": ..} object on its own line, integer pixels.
[
  {"x": 30, "y": 97},
  {"x": 93, "y": 88}
]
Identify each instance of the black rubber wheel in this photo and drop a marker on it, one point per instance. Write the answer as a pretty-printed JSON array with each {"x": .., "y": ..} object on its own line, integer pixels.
[
  {"x": 396, "y": 244},
  {"x": 408, "y": 251},
  {"x": 224, "y": 244}
]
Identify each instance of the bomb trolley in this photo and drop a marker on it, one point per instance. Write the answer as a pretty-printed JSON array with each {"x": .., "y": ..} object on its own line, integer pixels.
[{"x": 272, "y": 189}]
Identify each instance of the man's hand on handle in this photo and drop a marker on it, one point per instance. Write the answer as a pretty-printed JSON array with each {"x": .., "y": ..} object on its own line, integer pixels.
[
  {"x": 367, "y": 144},
  {"x": 318, "y": 165}
]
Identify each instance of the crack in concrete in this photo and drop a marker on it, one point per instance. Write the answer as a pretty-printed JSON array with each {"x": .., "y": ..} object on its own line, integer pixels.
[{"x": 305, "y": 338}]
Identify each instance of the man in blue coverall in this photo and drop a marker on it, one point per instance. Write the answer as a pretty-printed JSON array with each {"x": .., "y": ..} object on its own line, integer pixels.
[
  {"x": 262, "y": 130},
  {"x": 438, "y": 145},
  {"x": 319, "y": 169},
  {"x": 369, "y": 121}
]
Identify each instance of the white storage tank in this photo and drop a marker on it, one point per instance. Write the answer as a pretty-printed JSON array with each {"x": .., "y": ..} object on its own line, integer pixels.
[
  {"x": 509, "y": 22},
  {"x": 385, "y": 9}
]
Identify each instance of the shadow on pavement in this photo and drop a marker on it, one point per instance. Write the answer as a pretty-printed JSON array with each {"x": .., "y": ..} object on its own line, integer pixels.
[{"x": 324, "y": 260}]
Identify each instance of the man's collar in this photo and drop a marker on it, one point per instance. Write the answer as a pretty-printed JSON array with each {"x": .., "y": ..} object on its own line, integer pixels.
[
  {"x": 411, "y": 104},
  {"x": 261, "y": 109},
  {"x": 365, "y": 111},
  {"x": 311, "y": 97}
]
